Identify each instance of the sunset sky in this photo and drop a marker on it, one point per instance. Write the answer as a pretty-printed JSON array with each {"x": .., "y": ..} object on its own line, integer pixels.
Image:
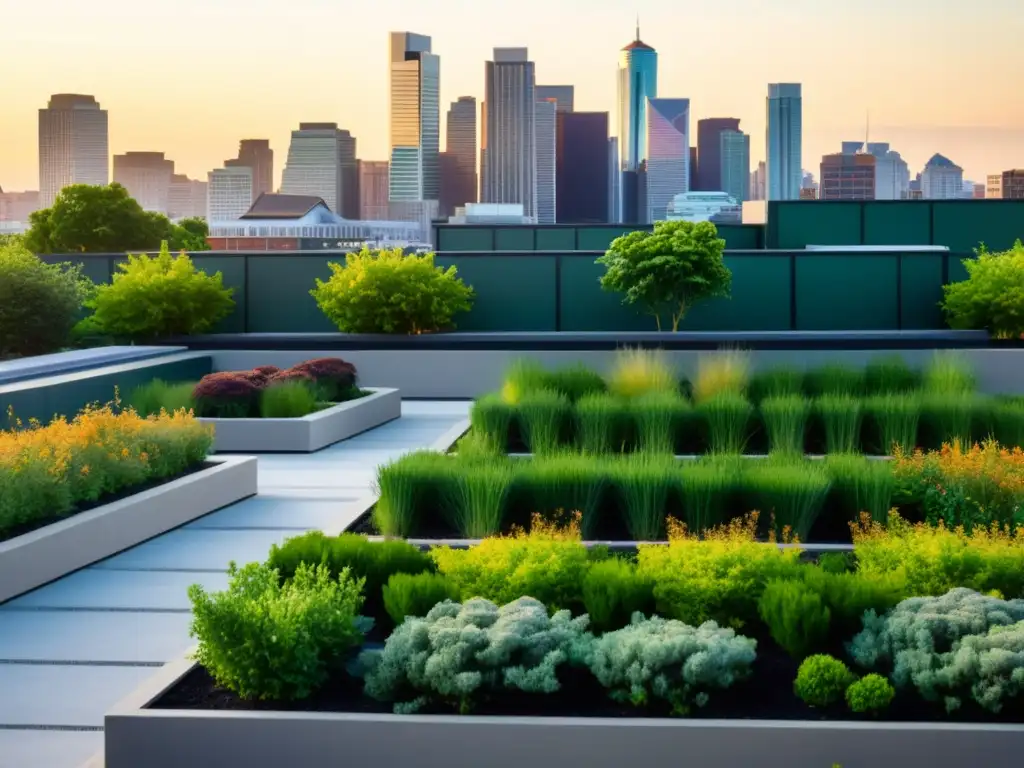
[{"x": 192, "y": 77}]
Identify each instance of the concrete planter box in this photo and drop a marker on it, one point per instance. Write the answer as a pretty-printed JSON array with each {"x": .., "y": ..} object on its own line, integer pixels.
[
  {"x": 38, "y": 557},
  {"x": 308, "y": 433},
  {"x": 136, "y": 736}
]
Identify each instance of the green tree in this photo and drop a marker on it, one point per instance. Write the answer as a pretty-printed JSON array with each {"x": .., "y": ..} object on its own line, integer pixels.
[
  {"x": 93, "y": 219},
  {"x": 189, "y": 235},
  {"x": 668, "y": 270},
  {"x": 992, "y": 296}
]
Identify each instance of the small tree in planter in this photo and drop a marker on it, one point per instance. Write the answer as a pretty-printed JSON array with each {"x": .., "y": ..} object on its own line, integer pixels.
[
  {"x": 991, "y": 298},
  {"x": 668, "y": 270}
]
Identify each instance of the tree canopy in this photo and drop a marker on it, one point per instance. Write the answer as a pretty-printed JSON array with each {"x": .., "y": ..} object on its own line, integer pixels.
[{"x": 669, "y": 270}]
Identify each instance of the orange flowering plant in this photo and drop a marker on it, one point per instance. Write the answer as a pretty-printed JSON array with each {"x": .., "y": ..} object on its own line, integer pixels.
[
  {"x": 51, "y": 471},
  {"x": 969, "y": 486}
]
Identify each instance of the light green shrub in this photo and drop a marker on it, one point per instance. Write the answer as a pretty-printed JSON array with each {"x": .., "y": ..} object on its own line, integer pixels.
[
  {"x": 613, "y": 590},
  {"x": 408, "y": 594},
  {"x": 822, "y": 680},
  {"x": 871, "y": 694},
  {"x": 796, "y": 616}
]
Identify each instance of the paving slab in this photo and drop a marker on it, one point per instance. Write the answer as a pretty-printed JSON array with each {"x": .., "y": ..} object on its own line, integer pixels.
[
  {"x": 193, "y": 549},
  {"x": 121, "y": 590},
  {"x": 277, "y": 511},
  {"x": 63, "y": 695},
  {"x": 47, "y": 749}
]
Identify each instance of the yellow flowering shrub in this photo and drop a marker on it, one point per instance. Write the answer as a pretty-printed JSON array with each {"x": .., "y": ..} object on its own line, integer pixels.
[{"x": 51, "y": 471}]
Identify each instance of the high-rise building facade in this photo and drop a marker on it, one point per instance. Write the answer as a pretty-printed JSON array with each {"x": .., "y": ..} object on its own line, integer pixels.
[
  {"x": 784, "y": 141},
  {"x": 461, "y": 146},
  {"x": 1012, "y": 184},
  {"x": 584, "y": 178},
  {"x": 847, "y": 176},
  {"x": 563, "y": 95},
  {"x": 73, "y": 145},
  {"x": 415, "y": 74},
  {"x": 637, "y": 83},
  {"x": 668, "y": 154},
  {"x": 147, "y": 177},
  {"x": 709, "y": 151},
  {"x": 942, "y": 179},
  {"x": 758, "y": 179},
  {"x": 510, "y": 123},
  {"x": 546, "y": 133},
  {"x": 256, "y": 154},
  {"x": 322, "y": 163},
  {"x": 614, "y": 182},
  {"x": 892, "y": 174},
  {"x": 373, "y": 190},
  {"x": 229, "y": 193},
  {"x": 734, "y": 164},
  {"x": 186, "y": 198}
]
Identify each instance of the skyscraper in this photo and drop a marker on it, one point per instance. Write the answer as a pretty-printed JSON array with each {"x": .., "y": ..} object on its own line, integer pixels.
[
  {"x": 511, "y": 131},
  {"x": 942, "y": 179},
  {"x": 668, "y": 154},
  {"x": 186, "y": 198},
  {"x": 322, "y": 163},
  {"x": 545, "y": 117},
  {"x": 256, "y": 154},
  {"x": 460, "y": 144},
  {"x": 415, "y": 125},
  {"x": 584, "y": 171},
  {"x": 73, "y": 145},
  {"x": 229, "y": 193},
  {"x": 614, "y": 182},
  {"x": 147, "y": 177},
  {"x": 892, "y": 175},
  {"x": 373, "y": 190},
  {"x": 734, "y": 153},
  {"x": 784, "y": 141},
  {"x": 563, "y": 95},
  {"x": 709, "y": 151},
  {"x": 638, "y": 82}
]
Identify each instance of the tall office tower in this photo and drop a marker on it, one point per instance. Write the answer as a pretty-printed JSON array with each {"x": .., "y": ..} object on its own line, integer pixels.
[
  {"x": 73, "y": 145},
  {"x": 511, "y": 131},
  {"x": 614, "y": 182},
  {"x": 563, "y": 95},
  {"x": 256, "y": 154},
  {"x": 892, "y": 175},
  {"x": 1012, "y": 184},
  {"x": 186, "y": 198},
  {"x": 546, "y": 129},
  {"x": 668, "y": 154},
  {"x": 758, "y": 182},
  {"x": 373, "y": 190},
  {"x": 847, "y": 176},
  {"x": 147, "y": 177},
  {"x": 415, "y": 176},
  {"x": 693, "y": 167},
  {"x": 460, "y": 143},
  {"x": 784, "y": 141},
  {"x": 322, "y": 163},
  {"x": 734, "y": 165},
  {"x": 942, "y": 179},
  {"x": 584, "y": 172},
  {"x": 637, "y": 82},
  {"x": 229, "y": 193},
  {"x": 709, "y": 151},
  {"x": 483, "y": 151}
]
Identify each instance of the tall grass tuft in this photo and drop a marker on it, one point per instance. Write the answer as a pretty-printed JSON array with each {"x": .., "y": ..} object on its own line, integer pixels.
[
  {"x": 707, "y": 488},
  {"x": 949, "y": 373},
  {"x": 599, "y": 422},
  {"x": 890, "y": 375},
  {"x": 524, "y": 377},
  {"x": 948, "y": 417},
  {"x": 792, "y": 491},
  {"x": 476, "y": 498},
  {"x": 158, "y": 395},
  {"x": 775, "y": 382},
  {"x": 404, "y": 486},
  {"x": 637, "y": 372},
  {"x": 861, "y": 485},
  {"x": 576, "y": 381},
  {"x": 542, "y": 418},
  {"x": 567, "y": 482},
  {"x": 1008, "y": 422},
  {"x": 657, "y": 419},
  {"x": 645, "y": 484},
  {"x": 727, "y": 418},
  {"x": 785, "y": 419},
  {"x": 476, "y": 446},
  {"x": 840, "y": 418},
  {"x": 894, "y": 419},
  {"x": 834, "y": 379},
  {"x": 491, "y": 417},
  {"x": 723, "y": 372},
  {"x": 288, "y": 400}
]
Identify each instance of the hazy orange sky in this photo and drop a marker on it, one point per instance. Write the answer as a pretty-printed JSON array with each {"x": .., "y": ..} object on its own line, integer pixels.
[{"x": 192, "y": 77}]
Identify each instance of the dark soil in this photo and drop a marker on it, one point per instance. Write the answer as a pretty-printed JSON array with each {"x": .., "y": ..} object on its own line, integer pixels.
[
  {"x": 766, "y": 695},
  {"x": 34, "y": 525}
]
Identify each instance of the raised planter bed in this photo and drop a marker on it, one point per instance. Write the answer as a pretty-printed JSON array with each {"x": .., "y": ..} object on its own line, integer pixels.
[
  {"x": 307, "y": 433},
  {"x": 40, "y": 556},
  {"x": 137, "y": 734}
]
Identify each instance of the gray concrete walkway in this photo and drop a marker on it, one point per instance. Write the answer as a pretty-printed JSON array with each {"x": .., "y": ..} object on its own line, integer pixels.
[{"x": 72, "y": 649}]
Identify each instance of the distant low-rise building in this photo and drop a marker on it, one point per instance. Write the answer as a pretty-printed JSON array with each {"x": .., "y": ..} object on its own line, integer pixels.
[
  {"x": 491, "y": 213},
  {"x": 147, "y": 177},
  {"x": 1012, "y": 184},
  {"x": 942, "y": 179},
  {"x": 186, "y": 198},
  {"x": 994, "y": 186},
  {"x": 846, "y": 176},
  {"x": 16, "y": 207},
  {"x": 717, "y": 207}
]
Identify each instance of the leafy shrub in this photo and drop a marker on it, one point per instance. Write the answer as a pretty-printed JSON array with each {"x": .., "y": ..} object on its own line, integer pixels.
[
  {"x": 153, "y": 297},
  {"x": 335, "y": 379},
  {"x": 990, "y": 666},
  {"x": 849, "y": 595},
  {"x": 227, "y": 395},
  {"x": 658, "y": 659},
  {"x": 796, "y": 616},
  {"x": 287, "y": 376},
  {"x": 39, "y": 303},
  {"x": 548, "y": 562},
  {"x": 836, "y": 562},
  {"x": 637, "y": 372},
  {"x": 613, "y": 590},
  {"x": 390, "y": 292},
  {"x": 989, "y": 298},
  {"x": 723, "y": 372},
  {"x": 287, "y": 400},
  {"x": 408, "y": 594},
  {"x": 150, "y": 399},
  {"x": 822, "y": 680},
  {"x": 459, "y": 653},
  {"x": 872, "y": 694},
  {"x": 266, "y": 640}
]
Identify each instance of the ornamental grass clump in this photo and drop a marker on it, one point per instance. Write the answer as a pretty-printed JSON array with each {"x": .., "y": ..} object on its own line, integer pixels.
[
  {"x": 600, "y": 423},
  {"x": 663, "y": 662},
  {"x": 458, "y": 654},
  {"x": 543, "y": 415},
  {"x": 1007, "y": 418},
  {"x": 613, "y": 590},
  {"x": 834, "y": 379},
  {"x": 491, "y": 417},
  {"x": 723, "y": 372},
  {"x": 775, "y": 382},
  {"x": 840, "y": 420},
  {"x": 288, "y": 400},
  {"x": 708, "y": 488},
  {"x": 645, "y": 485},
  {"x": 861, "y": 485},
  {"x": 408, "y": 488},
  {"x": 637, "y": 372},
  {"x": 949, "y": 373},
  {"x": 792, "y": 491},
  {"x": 49, "y": 472},
  {"x": 658, "y": 418},
  {"x": 726, "y": 417},
  {"x": 524, "y": 377},
  {"x": 890, "y": 375},
  {"x": 894, "y": 420},
  {"x": 785, "y": 419},
  {"x": 576, "y": 381},
  {"x": 158, "y": 395},
  {"x": 946, "y": 418},
  {"x": 476, "y": 497},
  {"x": 266, "y": 639},
  {"x": 564, "y": 482}
]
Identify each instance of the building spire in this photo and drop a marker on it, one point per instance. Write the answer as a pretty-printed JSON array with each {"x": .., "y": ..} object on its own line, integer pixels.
[{"x": 638, "y": 27}]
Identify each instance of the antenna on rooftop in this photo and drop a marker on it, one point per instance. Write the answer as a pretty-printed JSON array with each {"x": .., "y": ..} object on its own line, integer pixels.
[{"x": 638, "y": 26}]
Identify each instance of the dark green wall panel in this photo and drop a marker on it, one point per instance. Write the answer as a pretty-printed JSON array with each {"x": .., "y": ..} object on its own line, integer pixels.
[
  {"x": 896, "y": 223},
  {"x": 760, "y": 298},
  {"x": 921, "y": 290},
  {"x": 599, "y": 238},
  {"x": 587, "y": 307},
  {"x": 742, "y": 237},
  {"x": 514, "y": 239},
  {"x": 556, "y": 239},
  {"x": 961, "y": 225},
  {"x": 513, "y": 293},
  {"x": 799, "y": 223},
  {"x": 465, "y": 238},
  {"x": 232, "y": 270},
  {"x": 836, "y": 292},
  {"x": 279, "y": 299},
  {"x": 957, "y": 270}
]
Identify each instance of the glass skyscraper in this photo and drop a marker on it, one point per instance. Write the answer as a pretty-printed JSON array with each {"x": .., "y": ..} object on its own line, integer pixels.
[
  {"x": 638, "y": 82},
  {"x": 668, "y": 160},
  {"x": 784, "y": 141},
  {"x": 415, "y": 119}
]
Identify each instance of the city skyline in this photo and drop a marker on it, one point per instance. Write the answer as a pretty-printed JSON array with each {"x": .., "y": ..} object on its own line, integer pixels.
[{"x": 982, "y": 128}]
